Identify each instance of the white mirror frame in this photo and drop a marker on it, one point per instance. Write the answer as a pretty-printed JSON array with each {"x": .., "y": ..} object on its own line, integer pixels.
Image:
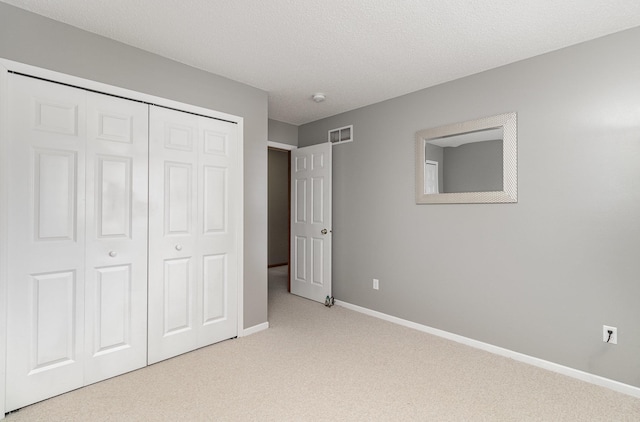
[{"x": 509, "y": 194}]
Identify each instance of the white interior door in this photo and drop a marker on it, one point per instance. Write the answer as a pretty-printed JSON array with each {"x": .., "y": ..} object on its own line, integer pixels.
[
  {"x": 193, "y": 246},
  {"x": 311, "y": 222},
  {"x": 116, "y": 233},
  {"x": 431, "y": 177},
  {"x": 46, "y": 238}
]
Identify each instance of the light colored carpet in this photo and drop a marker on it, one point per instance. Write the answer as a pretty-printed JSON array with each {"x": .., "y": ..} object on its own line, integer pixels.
[{"x": 332, "y": 364}]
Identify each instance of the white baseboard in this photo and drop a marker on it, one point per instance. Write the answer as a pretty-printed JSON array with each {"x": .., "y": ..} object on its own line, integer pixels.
[
  {"x": 255, "y": 329},
  {"x": 540, "y": 363}
]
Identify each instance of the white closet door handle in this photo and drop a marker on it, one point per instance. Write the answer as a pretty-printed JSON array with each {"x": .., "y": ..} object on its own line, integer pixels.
[
  {"x": 178, "y": 247},
  {"x": 113, "y": 254}
]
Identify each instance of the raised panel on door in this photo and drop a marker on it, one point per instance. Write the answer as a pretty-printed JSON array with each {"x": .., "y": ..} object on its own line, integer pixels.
[
  {"x": 215, "y": 282},
  {"x": 301, "y": 243},
  {"x": 46, "y": 234},
  {"x": 317, "y": 261},
  {"x": 317, "y": 200},
  {"x": 173, "y": 261},
  {"x": 113, "y": 196},
  {"x": 177, "y": 310},
  {"x": 300, "y": 258},
  {"x": 300, "y": 200},
  {"x": 317, "y": 241},
  {"x": 55, "y": 115},
  {"x": 179, "y": 204},
  {"x": 215, "y": 199},
  {"x": 53, "y": 321},
  {"x": 112, "y": 314},
  {"x": 116, "y": 258},
  {"x": 55, "y": 194}
]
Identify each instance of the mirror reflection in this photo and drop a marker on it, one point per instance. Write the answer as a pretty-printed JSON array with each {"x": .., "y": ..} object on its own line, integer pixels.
[{"x": 469, "y": 162}]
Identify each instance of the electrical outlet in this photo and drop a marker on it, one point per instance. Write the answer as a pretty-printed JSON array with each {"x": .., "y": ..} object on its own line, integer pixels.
[
  {"x": 611, "y": 339},
  {"x": 376, "y": 284}
]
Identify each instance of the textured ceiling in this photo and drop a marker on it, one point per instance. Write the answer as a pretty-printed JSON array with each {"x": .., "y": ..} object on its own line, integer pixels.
[{"x": 355, "y": 52}]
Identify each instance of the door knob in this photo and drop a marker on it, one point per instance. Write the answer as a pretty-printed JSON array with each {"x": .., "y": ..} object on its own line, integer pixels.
[
  {"x": 113, "y": 254},
  {"x": 178, "y": 247},
  {"x": 324, "y": 231}
]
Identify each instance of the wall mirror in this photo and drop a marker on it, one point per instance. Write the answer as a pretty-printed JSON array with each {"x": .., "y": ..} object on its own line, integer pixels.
[{"x": 473, "y": 162}]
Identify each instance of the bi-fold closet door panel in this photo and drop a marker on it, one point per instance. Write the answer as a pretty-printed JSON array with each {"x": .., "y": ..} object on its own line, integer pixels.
[
  {"x": 116, "y": 236},
  {"x": 77, "y": 239},
  {"x": 193, "y": 250},
  {"x": 46, "y": 239}
]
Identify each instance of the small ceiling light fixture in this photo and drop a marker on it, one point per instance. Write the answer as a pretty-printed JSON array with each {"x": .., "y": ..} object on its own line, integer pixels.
[{"x": 318, "y": 97}]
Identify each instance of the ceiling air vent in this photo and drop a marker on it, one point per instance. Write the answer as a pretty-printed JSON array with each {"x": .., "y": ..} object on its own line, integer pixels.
[{"x": 341, "y": 135}]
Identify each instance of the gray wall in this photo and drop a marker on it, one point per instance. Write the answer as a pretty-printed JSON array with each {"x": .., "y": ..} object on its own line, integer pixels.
[
  {"x": 473, "y": 167},
  {"x": 284, "y": 133},
  {"x": 538, "y": 277},
  {"x": 278, "y": 233},
  {"x": 32, "y": 39}
]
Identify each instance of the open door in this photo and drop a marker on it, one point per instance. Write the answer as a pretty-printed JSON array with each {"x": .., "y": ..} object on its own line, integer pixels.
[{"x": 311, "y": 222}]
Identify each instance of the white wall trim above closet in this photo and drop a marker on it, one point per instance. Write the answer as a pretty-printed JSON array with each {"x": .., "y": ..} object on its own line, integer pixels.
[
  {"x": 38, "y": 72},
  {"x": 7, "y": 67}
]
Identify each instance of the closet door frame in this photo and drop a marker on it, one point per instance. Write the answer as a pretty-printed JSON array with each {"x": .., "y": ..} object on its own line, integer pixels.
[
  {"x": 4, "y": 113},
  {"x": 7, "y": 66}
]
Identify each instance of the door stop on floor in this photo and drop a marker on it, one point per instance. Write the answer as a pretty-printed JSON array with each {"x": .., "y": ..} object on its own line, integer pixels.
[{"x": 329, "y": 301}]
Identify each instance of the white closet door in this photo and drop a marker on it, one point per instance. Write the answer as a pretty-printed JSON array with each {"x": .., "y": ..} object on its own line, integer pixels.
[
  {"x": 172, "y": 233},
  {"x": 116, "y": 258},
  {"x": 218, "y": 190},
  {"x": 77, "y": 239},
  {"x": 46, "y": 239},
  {"x": 193, "y": 250}
]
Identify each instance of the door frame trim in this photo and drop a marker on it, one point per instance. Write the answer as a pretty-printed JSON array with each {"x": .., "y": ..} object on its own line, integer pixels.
[
  {"x": 279, "y": 145},
  {"x": 286, "y": 148},
  {"x": 7, "y": 66},
  {"x": 4, "y": 115}
]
